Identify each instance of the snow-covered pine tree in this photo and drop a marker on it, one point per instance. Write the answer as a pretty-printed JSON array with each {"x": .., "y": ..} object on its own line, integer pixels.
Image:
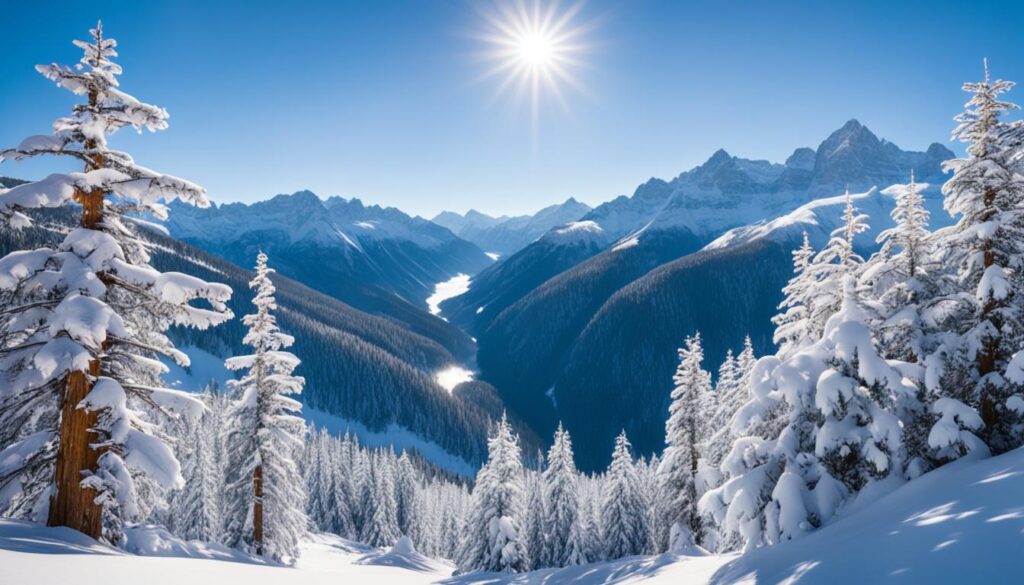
[
  {"x": 561, "y": 497},
  {"x": 492, "y": 541},
  {"x": 745, "y": 364},
  {"x": 731, "y": 393},
  {"x": 81, "y": 324},
  {"x": 195, "y": 509},
  {"x": 859, "y": 438},
  {"x": 824, "y": 429},
  {"x": 624, "y": 527},
  {"x": 407, "y": 498},
  {"x": 685, "y": 431},
  {"x": 318, "y": 481},
  {"x": 978, "y": 314},
  {"x": 265, "y": 497},
  {"x": 534, "y": 531},
  {"x": 340, "y": 463},
  {"x": 362, "y": 479},
  {"x": 381, "y": 529},
  {"x": 792, "y": 326},
  {"x": 837, "y": 259}
]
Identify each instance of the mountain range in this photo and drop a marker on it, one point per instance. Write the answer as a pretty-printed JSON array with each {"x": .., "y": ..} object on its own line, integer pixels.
[
  {"x": 580, "y": 347},
  {"x": 376, "y": 259},
  {"x": 577, "y": 321},
  {"x": 506, "y": 235}
]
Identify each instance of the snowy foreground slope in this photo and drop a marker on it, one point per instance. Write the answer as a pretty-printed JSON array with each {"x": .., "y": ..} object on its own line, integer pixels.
[{"x": 960, "y": 524}]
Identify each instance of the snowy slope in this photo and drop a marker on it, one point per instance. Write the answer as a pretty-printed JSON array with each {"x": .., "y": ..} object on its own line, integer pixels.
[
  {"x": 963, "y": 523},
  {"x": 960, "y": 524}
]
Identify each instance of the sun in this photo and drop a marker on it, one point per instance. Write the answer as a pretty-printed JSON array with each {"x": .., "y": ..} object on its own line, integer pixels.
[{"x": 536, "y": 48}]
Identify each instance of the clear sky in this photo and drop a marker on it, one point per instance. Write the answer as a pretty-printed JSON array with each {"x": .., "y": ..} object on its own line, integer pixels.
[{"x": 389, "y": 101}]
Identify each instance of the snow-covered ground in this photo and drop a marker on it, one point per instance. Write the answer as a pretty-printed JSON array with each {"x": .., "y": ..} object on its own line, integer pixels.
[
  {"x": 961, "y": 524},
  {"x": 443, "y": 291}
]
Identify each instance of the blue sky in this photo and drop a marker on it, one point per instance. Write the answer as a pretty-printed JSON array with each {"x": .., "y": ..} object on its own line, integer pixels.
[{"x": 384, "y": 100}]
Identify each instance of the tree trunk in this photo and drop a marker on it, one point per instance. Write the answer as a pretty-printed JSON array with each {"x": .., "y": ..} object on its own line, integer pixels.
[
  {"x": 257, "y": 509},
  {"x": 71, "y": 504}
]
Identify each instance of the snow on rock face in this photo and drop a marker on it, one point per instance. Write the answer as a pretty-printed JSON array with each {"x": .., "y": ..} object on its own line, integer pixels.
[{"x": 821, "y": 216}]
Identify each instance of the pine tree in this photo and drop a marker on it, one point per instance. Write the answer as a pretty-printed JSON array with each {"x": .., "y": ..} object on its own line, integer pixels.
[
  {"x": 81, "y": 324},
  {"x": 979, "y": 301},
  {"x": 561, "y": 496},
  {"x": 534, "y": 532},
  {"x": 318, "y": 481},
  {"x": 340, "y": 463},
  {"x": 265, "y": 497},
  {"x": 745, "y": 364},
  {"x": 196, "y": 508},
  {"x": 406, "y": 499},
  {"x": 829, "y": 267},
  {"x": 381, "y": 529},
  {"x": 792, "y": 326},
  {"x": 492, "y": 541},
  {"x": 624, "y": 527},
  {"x": 819, "y": 427},
  {"x": 685, "y": 431}
]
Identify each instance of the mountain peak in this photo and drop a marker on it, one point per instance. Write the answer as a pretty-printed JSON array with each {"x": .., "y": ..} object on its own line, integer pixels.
[{"x": 720, "y": 156}]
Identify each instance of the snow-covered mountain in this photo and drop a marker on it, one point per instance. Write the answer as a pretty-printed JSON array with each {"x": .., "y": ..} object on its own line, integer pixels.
[
  {"x": 546, "y": 338},
  {"x": 507, "y": 235},
  {"x": 361, "y": 254}
]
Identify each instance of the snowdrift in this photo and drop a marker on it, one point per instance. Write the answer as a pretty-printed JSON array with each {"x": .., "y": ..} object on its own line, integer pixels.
[{"x": 963, "y": 523}]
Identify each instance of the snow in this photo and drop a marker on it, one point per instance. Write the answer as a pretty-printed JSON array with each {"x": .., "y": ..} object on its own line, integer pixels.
[
  {"x": 326, "y": 560},
  {"x": 626, "y": 244},
  {"x": 452, "y": 376},
  {"x": 448, "y": 289},
  {"x": 579, "y": 226},
  {"x": 821, "y": 216},
  {"x": 960, "y": 523},
  {"x": 493, "y": 255}
]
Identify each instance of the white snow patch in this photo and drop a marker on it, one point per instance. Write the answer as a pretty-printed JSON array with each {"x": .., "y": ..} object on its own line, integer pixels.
[
  {"x": 366, "y": 225},
  {"x": 625, "y": 244},
  {"x": 448, "y": 289},
  {"x": 493, "y": 255},
  {"x": 579, "y": 226},
  {"x": 452, "y": 376}
]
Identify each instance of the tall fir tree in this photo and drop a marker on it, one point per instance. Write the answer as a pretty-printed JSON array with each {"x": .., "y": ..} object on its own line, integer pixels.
[
  {"x": 406, "y": 499},
  {"x": 792, "y": 326},
  {"x": 81, "y": 324},
  {"x": 381, "y": 529},
  {"x": 977, "y": 314},
  {"x": 685, "y": 431},
  {"x": 625, "y": 530},
  {"x": 492, "y": 539},
  {"x": 195, "y": 509},
  {"x": 561, "y": 498},
  {"x": 265, "y": 494}
]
